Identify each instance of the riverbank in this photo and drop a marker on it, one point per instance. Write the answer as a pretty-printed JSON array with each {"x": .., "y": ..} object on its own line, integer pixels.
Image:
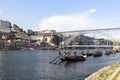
[{"x": 111, "y": 72}]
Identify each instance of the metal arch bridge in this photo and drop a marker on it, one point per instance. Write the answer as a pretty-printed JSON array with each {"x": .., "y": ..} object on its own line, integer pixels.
[
  {"x": 90, "y": 46},
  {"x": 92, "y": 30},
  {"x": 76, "y": 33}
]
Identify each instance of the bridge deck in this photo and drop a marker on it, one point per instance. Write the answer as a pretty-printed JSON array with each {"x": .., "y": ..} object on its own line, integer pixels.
[{"x": 90, "y": 46}]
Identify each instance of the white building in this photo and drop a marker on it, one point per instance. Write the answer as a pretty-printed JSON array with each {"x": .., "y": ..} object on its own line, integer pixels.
[
  {"x": 5, "y": 26},
  {"x": 34, "y": 38}
]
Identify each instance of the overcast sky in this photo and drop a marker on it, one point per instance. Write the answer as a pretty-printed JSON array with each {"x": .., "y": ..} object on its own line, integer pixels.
[{"x": 61, "y": 15}]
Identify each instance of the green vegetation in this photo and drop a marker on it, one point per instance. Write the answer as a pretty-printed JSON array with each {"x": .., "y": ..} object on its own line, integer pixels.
[
  {"x": 11, "y": 36},
  {"x": 16, "y": 27},
  {"x": 0, "y": 35},
  {"x": 104, "y": 73},
  {"x": 56, "y": 40},
  {"x": 116, "y": 76}
]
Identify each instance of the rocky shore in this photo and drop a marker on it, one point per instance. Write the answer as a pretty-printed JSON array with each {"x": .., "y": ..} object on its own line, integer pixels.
[{"x": 111, "y": 72}]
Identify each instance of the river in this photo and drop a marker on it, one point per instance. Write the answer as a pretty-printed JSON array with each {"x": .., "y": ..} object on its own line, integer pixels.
[{"x": 34, "y": 65}]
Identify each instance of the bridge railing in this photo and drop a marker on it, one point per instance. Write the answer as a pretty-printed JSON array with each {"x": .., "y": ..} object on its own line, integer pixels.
[{"x": 106, "y": 46}]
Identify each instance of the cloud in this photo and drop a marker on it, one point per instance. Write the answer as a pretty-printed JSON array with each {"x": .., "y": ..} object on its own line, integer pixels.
[
  {"x": 93, "y": 10},
  {"x": 68, "y": 22},
  {"x": 116, "y": 37},
  {"x": 1, "y": 11},
  {"x": 111, "y": 37}
]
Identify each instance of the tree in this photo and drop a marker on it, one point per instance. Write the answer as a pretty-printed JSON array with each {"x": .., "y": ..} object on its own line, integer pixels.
[
  {"x": 16, "y": 27},
  {"x": 0, "y": 34},
  {"x": 56, "y": 40},
  {"x": 11, "y": 36}
]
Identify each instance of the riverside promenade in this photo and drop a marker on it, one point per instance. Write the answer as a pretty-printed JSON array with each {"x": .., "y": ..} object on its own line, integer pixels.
[{"x": 111, "y": 72}]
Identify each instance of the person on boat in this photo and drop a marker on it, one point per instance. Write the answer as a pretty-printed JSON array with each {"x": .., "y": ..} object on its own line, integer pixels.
[
  {"x": 59, "y": 53},
  {"x": 65, "y": 55},
  {"x": 62, "y": 55},
  {"x": 75, "y": 54}
]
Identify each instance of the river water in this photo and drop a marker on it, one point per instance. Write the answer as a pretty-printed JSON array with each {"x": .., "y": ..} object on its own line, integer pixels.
[{"x": 34, "y": 65}]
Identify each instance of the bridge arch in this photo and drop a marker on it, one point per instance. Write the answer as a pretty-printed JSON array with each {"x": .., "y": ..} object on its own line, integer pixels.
[{"x": 69, "y": 36}]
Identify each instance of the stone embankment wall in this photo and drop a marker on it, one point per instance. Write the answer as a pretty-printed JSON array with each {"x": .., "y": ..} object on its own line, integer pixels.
[{"x": 111, "y": 72}]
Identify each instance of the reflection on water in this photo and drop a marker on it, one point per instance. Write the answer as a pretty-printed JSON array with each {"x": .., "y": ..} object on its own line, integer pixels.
[{"x": 34, "y": 65}]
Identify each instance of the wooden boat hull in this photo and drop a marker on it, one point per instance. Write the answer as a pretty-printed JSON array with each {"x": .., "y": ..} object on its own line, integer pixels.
[
  {"x": 97, "y": 54},
  {"x": 107, "y": 53},
  {"x": 90, "y": 54},
  {"x": 77, "y": 58}
]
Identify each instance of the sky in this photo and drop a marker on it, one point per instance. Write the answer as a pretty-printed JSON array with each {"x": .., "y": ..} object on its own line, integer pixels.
[{"x": 61, "y": 15}]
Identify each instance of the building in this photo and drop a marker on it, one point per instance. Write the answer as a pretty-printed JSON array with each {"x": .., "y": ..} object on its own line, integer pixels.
[
  {"x": 22, "y": 35},
  {"x": 44, "y": 36},
  {"x": 5, "y": 26},
  {"x": 30, "y": 32}
]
